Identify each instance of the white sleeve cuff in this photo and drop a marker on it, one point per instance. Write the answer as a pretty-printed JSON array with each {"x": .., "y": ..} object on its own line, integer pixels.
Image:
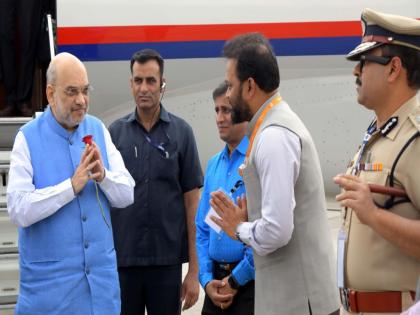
[{"x": 244, "y": 230}]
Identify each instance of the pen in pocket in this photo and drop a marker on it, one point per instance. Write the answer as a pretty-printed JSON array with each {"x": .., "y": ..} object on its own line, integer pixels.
[{"x": 135, "y": 151}]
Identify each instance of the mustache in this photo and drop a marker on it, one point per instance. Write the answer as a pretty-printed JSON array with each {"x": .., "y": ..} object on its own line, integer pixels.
[
  {"x": 358, "y": 82},
  {"x": 75, "y": 108}
]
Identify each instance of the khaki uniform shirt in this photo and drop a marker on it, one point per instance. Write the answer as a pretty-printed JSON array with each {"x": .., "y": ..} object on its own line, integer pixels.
[{"x": 371, "y": 262}]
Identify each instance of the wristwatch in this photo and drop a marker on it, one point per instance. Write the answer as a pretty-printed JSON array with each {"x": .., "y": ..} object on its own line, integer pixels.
[{"x": 233, "y": 283}]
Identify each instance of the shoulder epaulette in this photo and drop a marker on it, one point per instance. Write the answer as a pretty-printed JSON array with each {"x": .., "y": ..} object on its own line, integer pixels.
[{"x": 415, "y": 118}]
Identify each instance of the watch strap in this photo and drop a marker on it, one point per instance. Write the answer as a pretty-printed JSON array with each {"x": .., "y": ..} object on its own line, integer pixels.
[{"x": 233, "y": 283}]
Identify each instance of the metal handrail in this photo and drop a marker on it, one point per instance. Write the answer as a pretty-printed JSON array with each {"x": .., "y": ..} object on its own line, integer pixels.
[{"x": 51, "y": 36}]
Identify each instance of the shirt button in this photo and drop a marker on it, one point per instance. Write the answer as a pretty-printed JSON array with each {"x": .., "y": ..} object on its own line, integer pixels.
[
  {"x": 146, "y": 157},
  {"x": 84, "y": 218},
  {"x": 86, "y": 245},
  {"x": 146, "y": 180},
  {"x": 228, "y": 173},
  {"x": 219, "y": 238}
]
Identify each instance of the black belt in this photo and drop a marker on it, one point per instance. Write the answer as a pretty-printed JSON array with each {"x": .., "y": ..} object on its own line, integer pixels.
[
  {"x": 221, "y": 269},
  {"x": 226, "y": 266}
]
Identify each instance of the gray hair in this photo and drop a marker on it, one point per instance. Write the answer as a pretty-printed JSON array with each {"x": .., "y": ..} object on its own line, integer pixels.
[{"x": 52, "y": 73}]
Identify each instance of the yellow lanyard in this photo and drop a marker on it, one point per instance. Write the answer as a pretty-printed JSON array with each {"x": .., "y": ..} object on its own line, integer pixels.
[{"x": 273, "y": 103}]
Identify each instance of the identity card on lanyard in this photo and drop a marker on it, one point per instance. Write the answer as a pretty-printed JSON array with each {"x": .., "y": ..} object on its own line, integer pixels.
[{"x": 342, "y": 234}]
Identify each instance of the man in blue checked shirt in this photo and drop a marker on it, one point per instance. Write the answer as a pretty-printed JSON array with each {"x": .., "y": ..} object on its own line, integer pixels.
[{"x": 226, "y": 266}]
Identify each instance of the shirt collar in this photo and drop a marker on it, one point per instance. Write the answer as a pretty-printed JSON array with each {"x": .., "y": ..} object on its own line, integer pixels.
[
  {"x": 241, "y": 147},
  {"x": 253, "y": 122},
  {"x": 403, "y": 114},
  {"x": 164, "y": 115}
]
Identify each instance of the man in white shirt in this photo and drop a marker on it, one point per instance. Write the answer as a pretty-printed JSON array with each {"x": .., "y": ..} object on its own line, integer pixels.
[
  {"x": 59, "y": 193},
  {"x": 288, "y": 228}
]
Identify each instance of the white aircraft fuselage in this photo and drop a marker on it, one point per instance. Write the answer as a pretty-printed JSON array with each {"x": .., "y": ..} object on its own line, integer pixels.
[{"x": 310, "y": 40}]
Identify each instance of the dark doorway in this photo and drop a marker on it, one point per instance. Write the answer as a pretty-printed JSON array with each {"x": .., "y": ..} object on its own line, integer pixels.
[{"x": 25, "y": 63}]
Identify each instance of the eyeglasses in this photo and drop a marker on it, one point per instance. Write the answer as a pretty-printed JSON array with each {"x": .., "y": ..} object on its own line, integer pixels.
[
  {"x": 382, "y": 60},
  {"x": 73, "y": 91}
]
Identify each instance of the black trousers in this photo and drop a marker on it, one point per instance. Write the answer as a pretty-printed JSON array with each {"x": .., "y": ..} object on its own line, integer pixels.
[
  {"x": 155, "y": 288},
  {"x": 243, "y": 301},
  {"x": 29, "y": 16},
  {"x": 7, "y": 49}
]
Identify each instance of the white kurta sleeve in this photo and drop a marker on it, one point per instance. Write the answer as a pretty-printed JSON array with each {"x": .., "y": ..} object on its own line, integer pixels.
[{"x": 25, "y": 204}]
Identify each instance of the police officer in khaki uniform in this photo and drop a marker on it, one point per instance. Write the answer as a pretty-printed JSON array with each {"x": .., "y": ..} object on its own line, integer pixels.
[{"x": 379, "y": 243}]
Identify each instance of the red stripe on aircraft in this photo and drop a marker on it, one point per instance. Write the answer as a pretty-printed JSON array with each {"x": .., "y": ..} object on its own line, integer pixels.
[{"x": 180, "y": 33}]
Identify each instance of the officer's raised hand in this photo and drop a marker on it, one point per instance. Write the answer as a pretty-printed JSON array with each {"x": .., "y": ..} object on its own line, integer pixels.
[{"x": 357, "y": 196}]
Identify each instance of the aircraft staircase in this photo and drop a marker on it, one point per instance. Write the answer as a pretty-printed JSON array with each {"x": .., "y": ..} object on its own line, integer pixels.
[{"x": 9, "y": 255}]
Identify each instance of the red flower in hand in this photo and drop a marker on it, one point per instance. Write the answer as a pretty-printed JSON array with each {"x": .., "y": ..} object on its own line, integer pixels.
[{"x": 87, "y": 139}]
